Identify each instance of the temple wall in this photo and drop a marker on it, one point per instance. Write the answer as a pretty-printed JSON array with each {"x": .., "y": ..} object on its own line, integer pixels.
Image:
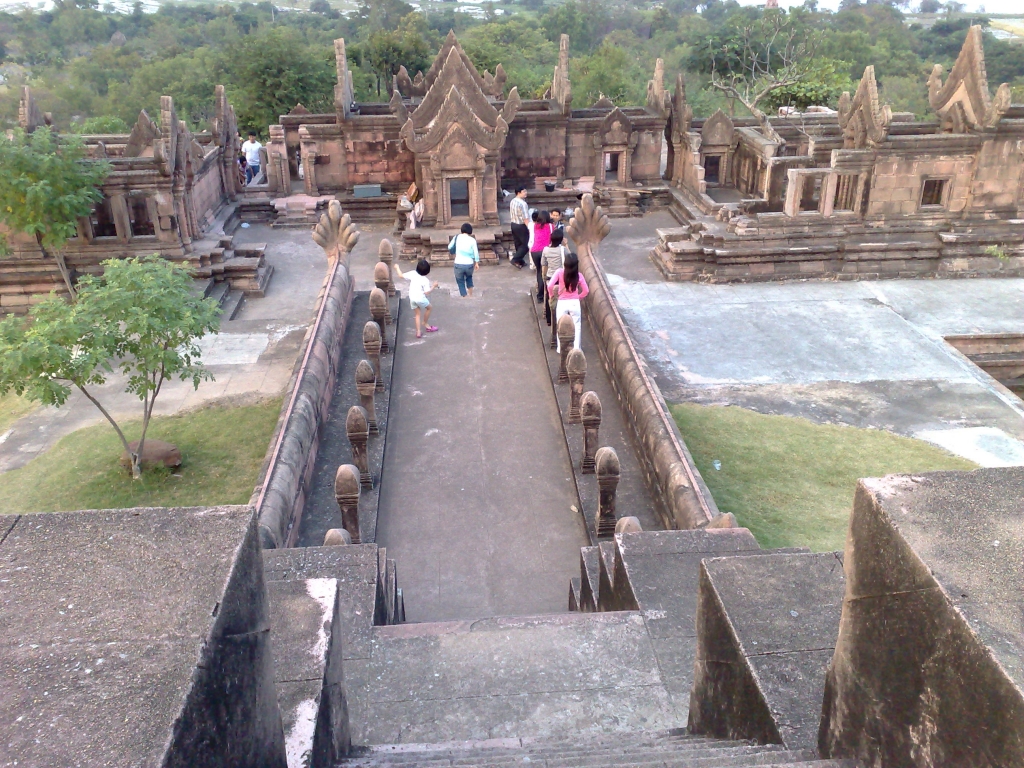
[
  {"x": 897, "y": 182},
  {"x": 646, "y": 162},
  {"x": 376, "y": 154},
  {"x": 535, "y": 146},
  {"x": 208, "y": 191},
  {"x": 997, "y": 176},
  {"x": 581, "y": 159}
]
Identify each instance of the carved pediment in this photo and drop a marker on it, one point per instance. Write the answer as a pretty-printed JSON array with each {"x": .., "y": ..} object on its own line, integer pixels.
[
  {"x": 140, "y": 141},
  {"x": 718, "y": 130},
  {"x": 658, "y": 99},
  {"x": 491, "y": 85},
  {"x": 963, "y": 101},
  {"x": 454, "y": 74},
  {"x": 299, "y": 110},
  {"x": 616, "y": 128},
  {"x": 457, "y": 111},
  {"x": 603, "y": 102},
  {"x": 865, "y": 123},
  {"x": 682, "y": 114}
]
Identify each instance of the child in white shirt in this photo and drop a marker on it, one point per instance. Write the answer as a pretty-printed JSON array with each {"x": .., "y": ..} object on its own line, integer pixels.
[{"x": 419, "y": 287}]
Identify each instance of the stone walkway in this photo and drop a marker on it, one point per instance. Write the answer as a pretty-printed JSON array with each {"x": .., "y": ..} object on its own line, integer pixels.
[{"x": 477, "y": 492}]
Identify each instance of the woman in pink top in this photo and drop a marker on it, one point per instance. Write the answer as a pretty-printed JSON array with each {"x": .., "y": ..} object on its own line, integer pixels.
[
  {"x": 541, "y": 239},
  {"x": 569, "y": 286}
]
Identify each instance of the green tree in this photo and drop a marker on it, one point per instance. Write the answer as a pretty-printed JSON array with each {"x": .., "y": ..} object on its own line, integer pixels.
[
  {"x": 141, "y": 319},
  {"x": 822, "y": 84},
  {"x": 47, "y": 184},
  {"x": 386, "y": 52},
  {"x": 100, "y": 124}
]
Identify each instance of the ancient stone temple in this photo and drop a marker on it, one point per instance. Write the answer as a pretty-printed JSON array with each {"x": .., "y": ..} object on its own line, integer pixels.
[
  {"x": 862, "y": 192},
  {"x": 166, "y": 187}
]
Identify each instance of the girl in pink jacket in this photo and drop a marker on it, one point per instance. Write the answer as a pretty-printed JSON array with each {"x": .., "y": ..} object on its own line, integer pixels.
[{"x": 569, "y": 286}]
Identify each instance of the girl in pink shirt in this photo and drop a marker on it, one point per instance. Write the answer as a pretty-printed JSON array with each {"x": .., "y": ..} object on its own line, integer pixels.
[
  {"x": 569, "y": 286},
  {"x": 541, "y": 239}
]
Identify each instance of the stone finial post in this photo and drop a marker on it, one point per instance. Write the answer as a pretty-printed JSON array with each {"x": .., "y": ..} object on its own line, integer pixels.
[
  {"x": 337, "y": 537},
  {"x": 366, "y": 385},
  {"x": 576, "y": 369},
  {"x": 372, "y": 342},
  {"x": 358, "y": 430},
  {"x": 379, "y": 313},
  {"x": 566, "y": 337},
  {"x": 590, "y": 415},
  {"x": 386, "y": 254},
  {"x": 346, "y": 492},
  {"x": 628, "y": 525},
  {"x": 589, "y": 224},
  {"x": 382, "y": 279},
  {"x": 607, "y": 464}
]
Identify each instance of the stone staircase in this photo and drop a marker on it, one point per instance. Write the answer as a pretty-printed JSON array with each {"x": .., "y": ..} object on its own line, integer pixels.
[
  {"x": 667, "y": 749},
  {"x": 243, "y": 267}
]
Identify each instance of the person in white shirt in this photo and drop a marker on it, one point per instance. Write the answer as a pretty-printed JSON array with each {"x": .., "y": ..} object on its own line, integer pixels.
[
  {"x": 251, "y": 150},
  {"x": 467, "y": 259},
  {"x": 519, "y": 213},
  {"x": 419, "y": 287}
]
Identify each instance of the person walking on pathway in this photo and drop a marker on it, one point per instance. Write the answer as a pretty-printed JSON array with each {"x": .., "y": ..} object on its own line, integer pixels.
[
  {"x": 251, "y": 149},
  {"x": 419, "y": 287},
  {"x": 519, "y": 212},
  {"x": 541, "y": 239},
  {"x": 571, "y": 287},
  {"x": 467, "y": 259},
  {"x": 551, "y": 261}
]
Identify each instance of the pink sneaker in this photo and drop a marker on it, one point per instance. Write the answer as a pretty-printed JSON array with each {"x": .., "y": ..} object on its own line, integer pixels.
[{"x": 431, "y": 328}]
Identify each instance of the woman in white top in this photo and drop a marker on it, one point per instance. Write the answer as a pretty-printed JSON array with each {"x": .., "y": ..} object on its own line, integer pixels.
[{"x": 467, "y": 259}]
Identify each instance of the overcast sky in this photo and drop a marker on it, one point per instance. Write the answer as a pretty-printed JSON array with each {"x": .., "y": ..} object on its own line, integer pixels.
[{"x": 992, "y": 6}]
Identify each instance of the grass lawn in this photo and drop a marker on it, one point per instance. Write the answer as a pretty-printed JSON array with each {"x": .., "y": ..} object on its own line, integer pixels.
[
  {"x": 222, "y": 448},
  {"x": 13, "y": 408},
  {"x": 791, "y": 481}
]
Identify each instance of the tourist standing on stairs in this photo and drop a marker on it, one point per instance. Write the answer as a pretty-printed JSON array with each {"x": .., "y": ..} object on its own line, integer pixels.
[
  {"x": 251, "y": 149},
  {"x": 467, "y": 258},
  {"x": 571, "y": 287},
  {"x": 519, "y": 212},
  {"x": 541, "y": 239},
  {"x": 419, "y": 287}
]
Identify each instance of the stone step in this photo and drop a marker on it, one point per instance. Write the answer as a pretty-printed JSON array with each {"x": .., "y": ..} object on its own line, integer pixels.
[
  {"x": 232, "y": 304},
  {"x": 219, "y": 292}
]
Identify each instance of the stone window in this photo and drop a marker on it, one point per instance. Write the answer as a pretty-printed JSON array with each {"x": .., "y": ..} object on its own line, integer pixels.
[
  {"x": 846, "y": 192},
  {"x": 102, "y": 219},
  {"x": 138, "y": 214},
  {"x": 712, "y": 168},
  {"x": 933, "y": 192},
  {"x": 810, "y": 200}
]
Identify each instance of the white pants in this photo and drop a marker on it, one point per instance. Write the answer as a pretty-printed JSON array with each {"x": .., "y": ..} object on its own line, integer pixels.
[{"x": 570, "y": 307}]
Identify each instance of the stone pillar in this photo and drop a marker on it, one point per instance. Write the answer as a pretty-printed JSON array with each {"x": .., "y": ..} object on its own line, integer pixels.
[
  {"x": 379, "y": 313},
  {"x": 358, "y": 431},
  {"x": 382, "y": 279},
  {"x": 607, "y": 464},
  {"x": 337, "y": 537},
  {"x": 576, "y": 369},
  {"x": 628, "y": 525},
  {"x": 366, "y": 385},
  {"x": 590, "y": 415},
  {"x": 386, "y": 254},
  {"x": 372, "y": 339},
  {"x": 566, "y": 337},
  {"x": 346, "y": 492}
]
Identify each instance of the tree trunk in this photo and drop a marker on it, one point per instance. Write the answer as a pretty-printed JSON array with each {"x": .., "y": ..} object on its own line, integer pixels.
[{"x": 61, "y": 265}]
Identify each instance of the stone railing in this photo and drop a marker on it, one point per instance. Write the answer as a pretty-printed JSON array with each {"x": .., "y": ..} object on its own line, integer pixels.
[
  {"x": 284, "y": 478},
  {"x": 666, "y": 460}
]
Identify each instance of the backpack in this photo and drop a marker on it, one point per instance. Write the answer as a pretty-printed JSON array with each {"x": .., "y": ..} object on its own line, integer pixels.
[{"x": 451, "y": 245}]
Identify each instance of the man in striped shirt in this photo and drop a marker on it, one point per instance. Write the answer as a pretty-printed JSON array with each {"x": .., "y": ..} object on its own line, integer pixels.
[{"x": 520, "y": 214}]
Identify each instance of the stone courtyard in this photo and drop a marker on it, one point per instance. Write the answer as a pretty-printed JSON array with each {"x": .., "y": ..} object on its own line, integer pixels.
[{"x": 472, "y": 549}]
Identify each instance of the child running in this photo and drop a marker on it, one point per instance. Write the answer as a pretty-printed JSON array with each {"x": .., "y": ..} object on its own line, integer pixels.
[{"x": 419, "y": 287}]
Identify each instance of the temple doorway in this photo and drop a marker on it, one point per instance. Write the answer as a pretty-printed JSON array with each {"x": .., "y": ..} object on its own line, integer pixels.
[{"x": 458, "y": 198}]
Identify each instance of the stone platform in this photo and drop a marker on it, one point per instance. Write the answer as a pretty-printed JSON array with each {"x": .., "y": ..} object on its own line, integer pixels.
[{"x": 431, "y": 243}]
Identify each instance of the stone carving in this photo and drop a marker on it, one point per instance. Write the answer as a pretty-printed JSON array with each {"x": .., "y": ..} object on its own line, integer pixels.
[
  {"x": 607, "y": 466},
  {"x": 491, "y": 85},
  {"x": 576, "y": 369},
  {"x": 682, "y": 113},
  {"x": 143, "y": 134},
  {"x": 963, "y": 102},
  {"x": 603, "y": 102},
  {"x": 382, "y": 279},
  {"x": 658, "y": 99},
  {"x": 590, "y": 415},
  {"x": 566, "y": 337},
  {"x": 346, "y": 493},
  {"x": 561, "y": 89},
  {"x": 379, "y": 313},
  {"x": 589, "y": 225},
  {"x": 864, "y": 122},
  {"x": 29, "y": 116},
  {"x": 335, "y": 232},
  {"x": 343, "y": 99},
  {"x": 366, "y": 386},
  {"x": 357, "y": 428},
  {"x": 628, "y": 525},
  {"x": 337, "y": 537},
  {"x": 372, "y": 343},
  {"x": 717, "y": 130},
  {"x": 386, "y": 254}
]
